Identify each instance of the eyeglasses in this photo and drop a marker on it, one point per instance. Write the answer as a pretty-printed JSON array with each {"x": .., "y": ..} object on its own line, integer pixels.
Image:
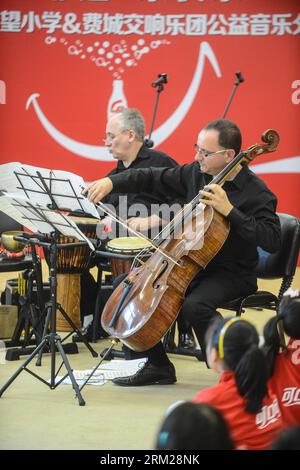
[
  {"x": 110, "y": 137},
  {"x": 206, "y": 153}
]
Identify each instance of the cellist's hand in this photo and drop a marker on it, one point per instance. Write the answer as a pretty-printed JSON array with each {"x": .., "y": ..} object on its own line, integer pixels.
[
  {"x": 217, "y": 198},
  {"x": 99, "y": 189}
]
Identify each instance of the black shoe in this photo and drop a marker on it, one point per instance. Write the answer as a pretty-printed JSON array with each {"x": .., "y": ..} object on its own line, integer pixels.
[
  {"x": 149, "y": 375},
  {"x": 187, "y": 341}
]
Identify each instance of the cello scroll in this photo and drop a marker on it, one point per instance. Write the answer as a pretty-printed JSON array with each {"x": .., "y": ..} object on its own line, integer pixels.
[{"x": 271, "y": 139}]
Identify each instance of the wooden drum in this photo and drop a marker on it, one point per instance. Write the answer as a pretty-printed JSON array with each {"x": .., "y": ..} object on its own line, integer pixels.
[
  {"x": 71, "y": 263},
  {"x": 128, "y": 246}
]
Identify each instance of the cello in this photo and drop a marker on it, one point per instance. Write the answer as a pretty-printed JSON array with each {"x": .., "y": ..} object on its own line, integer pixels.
[{"x": 146, "y": 303}]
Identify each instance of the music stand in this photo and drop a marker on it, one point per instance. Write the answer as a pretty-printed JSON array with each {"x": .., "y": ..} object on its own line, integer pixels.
[
  {"x": 53, "y": 223},
  {"x": 56, "y": 189}
]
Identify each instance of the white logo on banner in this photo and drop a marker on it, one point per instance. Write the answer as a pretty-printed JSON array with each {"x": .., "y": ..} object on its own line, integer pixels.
[
  {"x": 2, "y": 92},
  {"x": 285, "y": 165},
  {"x": 296, "y": 94},
  {"x": 95, "y": 152}
]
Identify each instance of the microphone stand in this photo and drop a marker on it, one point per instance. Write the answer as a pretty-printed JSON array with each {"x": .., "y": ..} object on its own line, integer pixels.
[
  {"x": 159, "y": 85},
  {"x": 239, "y": 79}
]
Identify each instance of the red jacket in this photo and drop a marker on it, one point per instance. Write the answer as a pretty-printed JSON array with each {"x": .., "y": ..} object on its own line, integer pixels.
[
  {"x": 285, "y": 383},
  {"x": 248, "y": 430}
]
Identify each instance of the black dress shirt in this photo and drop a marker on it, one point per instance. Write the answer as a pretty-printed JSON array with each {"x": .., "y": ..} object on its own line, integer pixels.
[
  {"x": 145, "y": 158},
  {"x": 253, "y": 218}
]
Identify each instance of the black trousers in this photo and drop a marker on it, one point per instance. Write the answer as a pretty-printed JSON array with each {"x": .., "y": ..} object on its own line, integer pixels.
[
  {"x": 211, "y": 289},
  {"x": 88, "y": 294}
]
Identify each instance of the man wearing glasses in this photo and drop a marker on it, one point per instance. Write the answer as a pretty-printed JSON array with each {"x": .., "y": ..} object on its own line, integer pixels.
[
  {"x": 244, "y": 200},
  {"x": 125, "y": 132},
  {"x": 124, "y": 138}
]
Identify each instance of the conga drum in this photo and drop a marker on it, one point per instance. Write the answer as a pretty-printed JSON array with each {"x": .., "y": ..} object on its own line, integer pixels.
[
  {"x": 71, "y": 263},
  {"x": 129, "y": 247}
]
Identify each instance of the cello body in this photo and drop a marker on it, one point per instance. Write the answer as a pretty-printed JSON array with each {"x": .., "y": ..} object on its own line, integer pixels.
[{"x": 159, "y": 286}]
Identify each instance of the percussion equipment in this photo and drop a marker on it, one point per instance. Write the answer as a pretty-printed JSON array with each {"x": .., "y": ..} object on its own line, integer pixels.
[
  {"x": 72, "y": 261},
  {"x": 128, "y": 246},
  {"x": 8, "y": 242}
]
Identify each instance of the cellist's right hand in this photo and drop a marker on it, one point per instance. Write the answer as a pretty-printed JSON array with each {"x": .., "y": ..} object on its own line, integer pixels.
[{"x": 98, "y": 189}]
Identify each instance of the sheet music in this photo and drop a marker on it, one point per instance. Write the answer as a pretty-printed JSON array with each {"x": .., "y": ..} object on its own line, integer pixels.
[
  {"x": 65, "y": 187},
  {"x": 40, "y": 218},
  {"x": 11, "y": 211},
  {"x": 8, "y": 180}
]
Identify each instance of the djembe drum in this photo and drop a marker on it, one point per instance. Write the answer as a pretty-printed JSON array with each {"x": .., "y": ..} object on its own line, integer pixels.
[
  {"x": 128, "y": 246},
  {"x": 72, "y": 261}
]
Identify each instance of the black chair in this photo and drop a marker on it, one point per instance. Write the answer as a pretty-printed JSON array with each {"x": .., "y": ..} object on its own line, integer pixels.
[{"x": 280, "y": 265}]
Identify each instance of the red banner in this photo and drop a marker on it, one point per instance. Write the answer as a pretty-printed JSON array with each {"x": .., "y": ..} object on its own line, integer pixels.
[{"x": 68, "y": 64}]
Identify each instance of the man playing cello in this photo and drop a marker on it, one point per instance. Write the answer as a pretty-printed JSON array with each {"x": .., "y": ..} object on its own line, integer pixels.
[{"x": 244, "y": 200}]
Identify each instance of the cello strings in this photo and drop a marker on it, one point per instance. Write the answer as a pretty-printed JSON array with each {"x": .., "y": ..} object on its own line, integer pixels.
[
  {"x": 178, "y": 219},
  {"x": 171, "y": 227},
  {"x": 138, "y": 234},
  {"x": 220, "y": 178}
]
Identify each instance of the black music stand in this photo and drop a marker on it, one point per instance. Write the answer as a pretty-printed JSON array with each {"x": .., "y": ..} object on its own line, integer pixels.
[
  {"x": 54, "y": 223},
  {"x": 48, "y": 313},
  {"x": 55, "y": 189},
  {"x": 58, "y": 190}
]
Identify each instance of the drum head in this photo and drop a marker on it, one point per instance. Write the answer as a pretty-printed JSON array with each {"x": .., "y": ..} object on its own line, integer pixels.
[{"x": 127, "y": 245}]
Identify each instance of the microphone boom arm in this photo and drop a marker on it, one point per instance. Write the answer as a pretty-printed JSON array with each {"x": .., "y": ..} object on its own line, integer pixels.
[
  {"x": 159, "y": 85},
  {"x": 239, "y": 79}
]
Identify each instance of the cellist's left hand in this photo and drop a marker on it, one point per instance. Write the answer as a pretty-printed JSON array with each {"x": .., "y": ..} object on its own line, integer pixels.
[{"x": 217, "y": 198}]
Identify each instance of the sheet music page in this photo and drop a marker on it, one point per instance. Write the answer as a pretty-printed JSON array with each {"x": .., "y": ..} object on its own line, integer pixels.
[
  {"x": 65, "y": 187},
  {"x": 11, "y": 211},
  {"x": 22, "y": 179},
  {"x": 8, "y": 180},
  {"x": 76, "y": 183},
  {"x": 28, "y": 213},
  {"x": 44, "y": 219}
]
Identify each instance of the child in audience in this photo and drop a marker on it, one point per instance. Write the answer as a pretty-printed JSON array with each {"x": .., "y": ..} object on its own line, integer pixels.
[
  {"x": 242, "y": 395},
  {"x": 284, "y": 362},
  {"x": 190, "y": 426}
]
